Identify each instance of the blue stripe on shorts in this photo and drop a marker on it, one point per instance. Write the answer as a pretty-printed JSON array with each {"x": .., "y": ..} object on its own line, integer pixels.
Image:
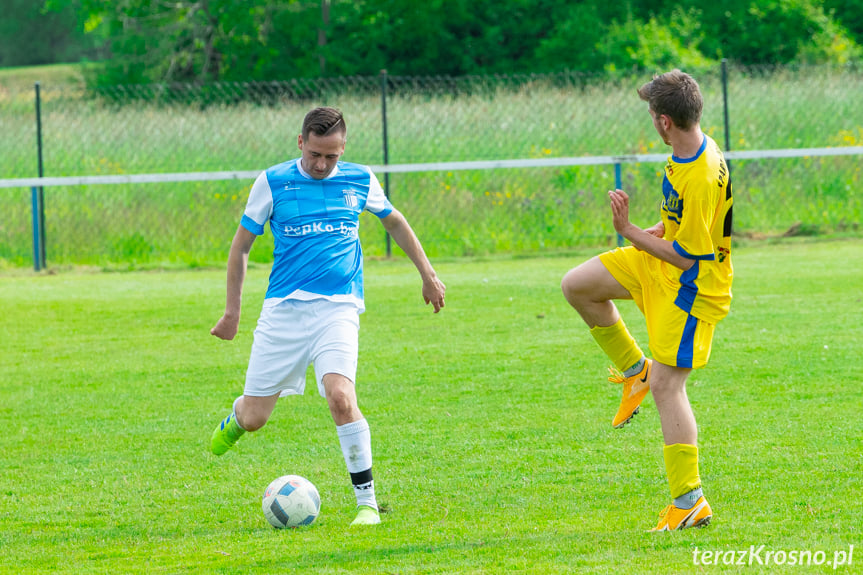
[{"x": 687, "y": 343}]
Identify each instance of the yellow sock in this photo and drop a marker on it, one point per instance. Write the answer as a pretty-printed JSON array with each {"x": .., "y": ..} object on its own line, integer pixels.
[
  {"x": 681, "y": 463},
  {"x": 618, "y": 344}
]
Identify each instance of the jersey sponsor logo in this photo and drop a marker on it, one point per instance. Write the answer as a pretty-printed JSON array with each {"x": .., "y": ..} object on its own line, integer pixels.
[
  {"x": 290, "y": 186},
  {"x": 673, "y": 206},
  {"x": 350, "y": 198},
  {"x": 723, "y": 254},
  {"x": 347, "y": 230}
]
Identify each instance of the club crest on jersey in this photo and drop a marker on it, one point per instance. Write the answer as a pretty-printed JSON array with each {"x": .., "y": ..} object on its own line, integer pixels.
[{"x": 350, "y": 198}]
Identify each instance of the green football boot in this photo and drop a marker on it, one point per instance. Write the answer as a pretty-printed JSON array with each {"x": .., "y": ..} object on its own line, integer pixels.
[
  {"x": 366, "y": 515},
  {"x": 226, "y": 435}
]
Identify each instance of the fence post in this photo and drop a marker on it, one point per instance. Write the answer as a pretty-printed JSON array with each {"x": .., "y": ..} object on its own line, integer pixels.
[
  {"x": 39, "y": 193},
  {"x": 618, "y": 185},
  {"x": 386, "y": 148},
  {"x": 37, "y": 245},
  {"x": 725, "y": 109}
]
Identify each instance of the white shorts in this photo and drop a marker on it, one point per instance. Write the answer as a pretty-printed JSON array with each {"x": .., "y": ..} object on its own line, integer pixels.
[{"x": 294, "y": 334}]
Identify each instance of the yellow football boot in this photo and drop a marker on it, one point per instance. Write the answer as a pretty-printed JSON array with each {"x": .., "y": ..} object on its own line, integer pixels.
[
  {"x": 635, "y": 388},
  {"x": 674, "y": 518}
]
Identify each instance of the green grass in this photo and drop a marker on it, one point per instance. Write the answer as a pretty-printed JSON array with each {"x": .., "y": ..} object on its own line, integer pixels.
[
  {"x": 490, "y": 424},
  {"x": 463, "y": 213},
  {"x": 24, "y": 77}
]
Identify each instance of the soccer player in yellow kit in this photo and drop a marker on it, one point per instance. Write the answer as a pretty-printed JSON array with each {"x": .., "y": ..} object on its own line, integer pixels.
[{"x": 679, "y": 274}]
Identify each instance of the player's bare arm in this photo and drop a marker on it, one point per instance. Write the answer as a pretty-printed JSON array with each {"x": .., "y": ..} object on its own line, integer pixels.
[
  {"x": 643, "y": 239},
  {"x": 657, "y": 230},
  {"x": 433, "y": 289},
  {"x": 238, "y": 262}
]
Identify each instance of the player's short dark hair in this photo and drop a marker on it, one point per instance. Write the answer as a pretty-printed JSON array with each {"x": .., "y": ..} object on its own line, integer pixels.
[
  {"x": 674, "y": 94},
  {"x": 324, "y": 121}
]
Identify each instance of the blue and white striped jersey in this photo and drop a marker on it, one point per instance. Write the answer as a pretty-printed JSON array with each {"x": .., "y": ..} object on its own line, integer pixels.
[{"x": 315, "y": 224}]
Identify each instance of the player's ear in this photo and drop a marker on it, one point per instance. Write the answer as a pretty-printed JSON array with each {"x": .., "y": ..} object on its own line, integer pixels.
[
  {"x": 666, "y": 122},
  {"x": 300, "y": 141}
]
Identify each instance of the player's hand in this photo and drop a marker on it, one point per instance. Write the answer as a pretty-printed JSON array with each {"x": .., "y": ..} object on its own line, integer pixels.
[
  {"x": 658, "y": 230},
  {"x": 433, "y": 293},
  {"x": 226, "y": 327},
  {"x": 619, "y": 210}
]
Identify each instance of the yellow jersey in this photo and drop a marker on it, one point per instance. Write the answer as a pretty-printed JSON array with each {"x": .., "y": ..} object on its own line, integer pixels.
[{"x": 696, "y": 211}]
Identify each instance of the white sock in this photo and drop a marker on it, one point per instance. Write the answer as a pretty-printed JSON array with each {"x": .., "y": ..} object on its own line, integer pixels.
[
  {"x": 234, "y": 411},
  {"x": 356, "y": 442}
]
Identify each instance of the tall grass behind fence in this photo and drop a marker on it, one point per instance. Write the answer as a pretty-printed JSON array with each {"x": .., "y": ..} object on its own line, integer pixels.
[{"x": 226, "y": 127}]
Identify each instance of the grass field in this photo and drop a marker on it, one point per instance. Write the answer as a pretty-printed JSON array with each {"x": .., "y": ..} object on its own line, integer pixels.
[
  {"x": 24, "y": 77},
  {"x": 490, "y": 426}
]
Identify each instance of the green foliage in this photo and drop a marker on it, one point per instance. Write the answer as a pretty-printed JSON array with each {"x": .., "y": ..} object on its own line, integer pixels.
[
  {"x": 774, "y": 32},
  {"x": 202, "y": 41},
  {"x": 188, "y": 40},
  {"x": 636, "y": 45},
  {"x": 830, "y": 43},
  {"x": 848, "y": 13},
  {"x": 490, "y": 426},
  {"x": 32, "y": 33},
  {"x": 574, "y": 40},
  {"x": 588, "y": 39}
]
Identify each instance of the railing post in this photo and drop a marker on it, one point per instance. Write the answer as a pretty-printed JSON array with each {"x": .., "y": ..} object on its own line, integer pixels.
[
  {"x": 37, "y": 244},
  {"x": 386, "y": 148}
]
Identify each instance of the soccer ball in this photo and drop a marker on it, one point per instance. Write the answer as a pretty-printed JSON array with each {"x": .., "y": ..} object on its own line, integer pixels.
[{"x": 291, "y": 501}]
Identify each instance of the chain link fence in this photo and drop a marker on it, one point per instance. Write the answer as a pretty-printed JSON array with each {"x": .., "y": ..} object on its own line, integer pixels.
[{"x": 251, "y": 126}]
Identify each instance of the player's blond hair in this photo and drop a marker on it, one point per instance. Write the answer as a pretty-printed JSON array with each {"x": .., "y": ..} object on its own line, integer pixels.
[
  {"x": 324, "y": 121},
  {"x": 674, "y": 94}
]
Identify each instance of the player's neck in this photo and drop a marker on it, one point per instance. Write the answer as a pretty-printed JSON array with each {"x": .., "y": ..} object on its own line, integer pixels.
[{"x": 686, "y": 144}]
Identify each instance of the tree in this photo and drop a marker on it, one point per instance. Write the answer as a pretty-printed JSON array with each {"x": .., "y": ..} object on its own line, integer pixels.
[
  {"x": 206, "y": 40},
  {"x": 848, "y": 13},
  {"x": 202, "y": 40},
  {"x": 771, "y": 31},
  {"x": 33, "y": 33}
]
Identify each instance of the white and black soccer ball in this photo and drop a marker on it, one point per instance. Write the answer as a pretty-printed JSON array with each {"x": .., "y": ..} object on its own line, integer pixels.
[{"x": 291, "y": 501}]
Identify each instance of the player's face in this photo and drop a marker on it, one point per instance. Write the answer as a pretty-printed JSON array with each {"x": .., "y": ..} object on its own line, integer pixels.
[
  {"x": 660, "y": 123},
  {"x": 321, "y": 153}
]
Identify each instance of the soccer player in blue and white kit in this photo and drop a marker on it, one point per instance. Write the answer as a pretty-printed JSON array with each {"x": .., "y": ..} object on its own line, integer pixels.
[{"x": 311, "y": 310}]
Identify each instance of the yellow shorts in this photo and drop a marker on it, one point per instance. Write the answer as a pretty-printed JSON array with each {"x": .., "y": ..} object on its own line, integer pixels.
[{"x": 676, "y": 337}]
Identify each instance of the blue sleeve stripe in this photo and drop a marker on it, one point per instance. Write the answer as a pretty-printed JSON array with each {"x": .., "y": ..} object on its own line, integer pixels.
[
  {"x": 388, "y": 209},
  {"x": 679, "y": 249},
  {"x": 252, "y": 225},
  {"x": 385, "y": 212}
]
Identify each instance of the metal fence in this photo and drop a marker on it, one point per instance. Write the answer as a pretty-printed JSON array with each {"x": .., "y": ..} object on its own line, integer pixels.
[{"x": 250, "y": 126}]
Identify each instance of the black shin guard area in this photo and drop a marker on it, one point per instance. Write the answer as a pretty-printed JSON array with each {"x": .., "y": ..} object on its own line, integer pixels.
[{"x": 362, "y": 479}]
